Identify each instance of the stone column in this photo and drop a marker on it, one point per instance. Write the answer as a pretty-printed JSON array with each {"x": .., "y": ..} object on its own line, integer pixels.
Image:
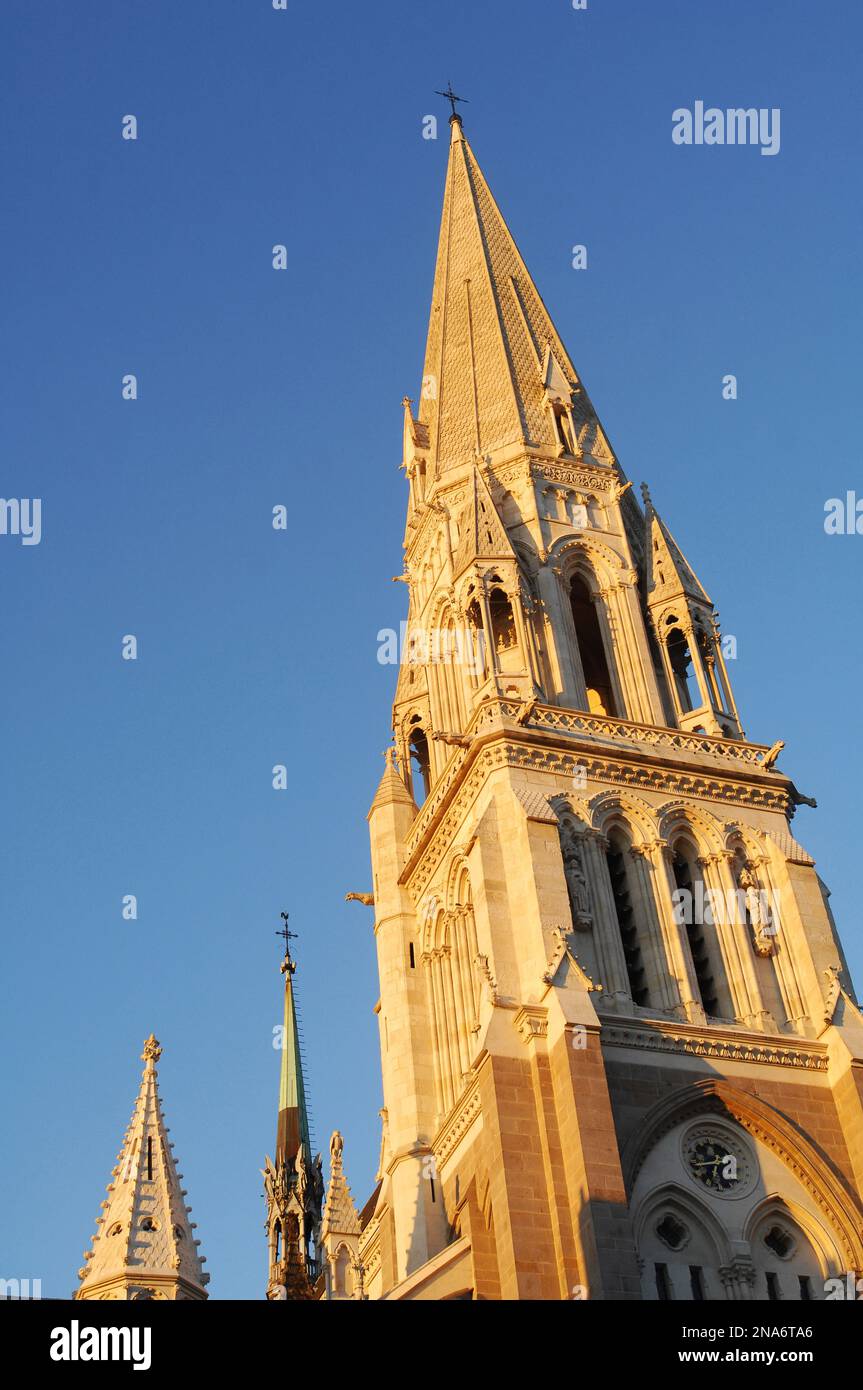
[
  {"x": 448, "y": 1023},
  {"x": 736, "y": 949},
  {"x": 662, "y": 981},
  {"x": 738, "y": 1280},
  {"x": 561, "y": 638},
  {"x": 658, "y": 855},
  {"x": 616, "y": 655},
  {"x": 648, "y": 708},
  {"x": 439, "y": 1016},
  {"x": 793, "y": 998},
  {"x": 606, "y": 931}
]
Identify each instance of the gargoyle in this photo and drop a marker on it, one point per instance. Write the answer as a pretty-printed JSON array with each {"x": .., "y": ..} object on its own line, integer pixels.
[
  {"x": 457, "y": 740},
  {"x": 367, "y": 899},
  {"x": 526, "y": 712}
]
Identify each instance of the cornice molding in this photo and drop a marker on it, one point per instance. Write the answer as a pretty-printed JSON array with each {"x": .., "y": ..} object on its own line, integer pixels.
[{"x": 723, "y": 1044}]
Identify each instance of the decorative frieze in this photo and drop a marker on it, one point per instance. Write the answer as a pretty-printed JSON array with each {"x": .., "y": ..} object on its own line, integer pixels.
[
  {"x": 661, "y": 1037},
  {"x": 562, "y": 765},
  {"x": 457, "y": 1124}
]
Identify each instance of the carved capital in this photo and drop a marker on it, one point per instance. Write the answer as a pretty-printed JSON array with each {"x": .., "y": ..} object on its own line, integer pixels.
[{"x": 532, "y": 1023}]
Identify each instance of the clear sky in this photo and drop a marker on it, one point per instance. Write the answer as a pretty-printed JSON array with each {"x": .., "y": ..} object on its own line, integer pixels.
[{"x": 259, "y": 387}]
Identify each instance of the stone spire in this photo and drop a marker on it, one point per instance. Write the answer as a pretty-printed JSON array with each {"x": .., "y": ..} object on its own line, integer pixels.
[
  {"x": 293, "y": 1185},
  {"x": 391, "y": 788},
  {"x": 341, "y": 1217},
  {"x": 667, "y": 571},
  {"x": 686, "y": 627},
  {"x": 340, "y": 1233},
  {"x": 482, "y": 534},
  {"x": 145, "y": 1245},
  {"x": 496, "y": 371}
]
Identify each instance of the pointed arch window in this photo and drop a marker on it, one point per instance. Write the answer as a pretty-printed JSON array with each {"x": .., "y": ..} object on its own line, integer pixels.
[
  {"x": 680, "y": 660},
  {"x": 502, "y": 620},
  {"x": 701, "y": 933},
  {"x": 617, "y": 871},
  {"x": 597, "y": 677},
  {"x": 477, "y": 638},
  {"x": 418, "y": 747}
]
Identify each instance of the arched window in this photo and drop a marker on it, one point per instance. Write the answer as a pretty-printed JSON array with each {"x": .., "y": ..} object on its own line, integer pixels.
[
  {"x": 708, "y": 661},
  {"x": 616, "y": 860},
  {"x": 680, "y": 660},
  {"x": 341, "y": 1265},
  {"x": 453, "y": 987},
  {"x": 477, "y": 639},
  {"x": 786, "y": 1264},
  {"x": 678, "y": 1256},
  {"x": 597, "y": 677},
  {"x": 420, "y": 764},
  {"x": 694, "y": 911},
  {"x": 502, "y": 620}
]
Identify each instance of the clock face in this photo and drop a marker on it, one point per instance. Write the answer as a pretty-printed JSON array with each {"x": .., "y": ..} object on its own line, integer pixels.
[
  {"x": 716, "y": 1161},
  {"x": 712, "y": 1163}
]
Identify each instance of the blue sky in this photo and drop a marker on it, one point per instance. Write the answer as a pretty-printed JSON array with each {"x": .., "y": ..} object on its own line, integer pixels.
[{"x": 258, "y": 388}]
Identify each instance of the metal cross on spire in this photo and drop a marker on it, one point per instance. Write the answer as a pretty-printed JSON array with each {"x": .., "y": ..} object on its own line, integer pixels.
[
  {"x": 288, "y": 935},
  {"x": 451, "y": 97}
]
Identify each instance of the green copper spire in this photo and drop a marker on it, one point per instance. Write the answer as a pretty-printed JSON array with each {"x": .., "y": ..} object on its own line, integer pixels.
[{"x": 293, "y": 1126}]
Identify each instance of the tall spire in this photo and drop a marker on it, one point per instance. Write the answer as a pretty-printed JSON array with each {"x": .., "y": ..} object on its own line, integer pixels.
[
  {"x": 293, "y": 1185},
  {"x": 144, "y": 1247},
  {"x": 293, "y": 1124},
  {"x": 496, "y": 370}
]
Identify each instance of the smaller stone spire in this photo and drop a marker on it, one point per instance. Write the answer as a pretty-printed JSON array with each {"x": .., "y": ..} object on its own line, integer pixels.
[
  {"x": 667, "y": 569},
  {"x": 145, "y": 1245},
  {"x": 340, "y": 1232},
  {"x": 482, "y": 534},
  {"x": 340, "y": 1214},
  {"x": 391, "y": 787}
]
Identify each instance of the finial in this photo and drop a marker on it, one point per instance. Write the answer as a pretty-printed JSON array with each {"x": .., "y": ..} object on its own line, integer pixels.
[
  {"x": 452, "y": 99},
  {"x": 407, "y": 402},
  {"x": 390, "y": 756},
  {"x": 152, "y": 1050},
  {"x": 645, "y": 493},
  {"x": 288, "y": 963}
]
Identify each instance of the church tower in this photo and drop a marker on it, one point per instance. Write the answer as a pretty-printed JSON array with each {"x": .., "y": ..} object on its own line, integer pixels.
[
  {"x": 145, "y": 1247},
  {"x": 621, "y": 1054},
  {"x": 293, "y": 1185}
]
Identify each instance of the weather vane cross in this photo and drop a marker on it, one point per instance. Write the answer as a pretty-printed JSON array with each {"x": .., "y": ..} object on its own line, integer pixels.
[
  {"x": 287, "y": 934},
  {"x": 451, "y": 97}
]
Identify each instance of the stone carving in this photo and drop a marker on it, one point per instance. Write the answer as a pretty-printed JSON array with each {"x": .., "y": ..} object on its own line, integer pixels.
[
  {"x": 758, "y": 914},
  {"x": 833, "y": 992},
  {"x": 317, "y": 1178},
  {"x": 773, "y": 753},
  {"x": 556, "y": 959},
  {"x": 482, "y": 965},
  {"x": 576, "y": 882}
]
